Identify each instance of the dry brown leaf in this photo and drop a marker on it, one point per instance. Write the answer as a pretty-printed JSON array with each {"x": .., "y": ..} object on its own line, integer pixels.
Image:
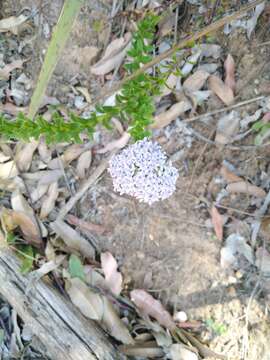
[
  {"x": 116, "y": 144},
  {"x": 170, "y": 85},
  {"x": 217, "y": 222},
  {"x": 8, "y": 170},
  {"x": 48, "y": 203},
  {"x": 229, "y": 176},
  {"x": 97, "y": 307},
  {"x": 13, "y": 184},
  {"x": 245, "y": 188},
  {"x": 170, "y": 115},
  {"x": 28, "y": 227},
  {"x": 12, "y": 23},
  {"x": 84, "y": 163},
  {"x": 196, "y": 81},
  {"x": 152, "y": 307},
  {"x": 19, "y": 204},
  {"x": 113, "y": 56},
  {"x": 113, "y": 277},
  {"x": 94, "y": 278},
  {"x": 223, "y": 91},
  {"x": 85, "y": 225},
  {"x": 72, "y": 239},
  {"x": 70, "y": 154},
  {"x": 229, "y": 66},
  {"x": 24, "y": 155}
]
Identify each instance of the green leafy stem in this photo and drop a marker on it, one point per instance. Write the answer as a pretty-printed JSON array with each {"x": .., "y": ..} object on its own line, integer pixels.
[{"x": 134, "y": 104}]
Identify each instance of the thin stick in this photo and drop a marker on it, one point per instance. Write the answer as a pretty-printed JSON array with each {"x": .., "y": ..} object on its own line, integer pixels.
[
  {"x": 228, "y": 108},
  {"x": 91, "y": 180},
  {"x": 198, "y": 35}
]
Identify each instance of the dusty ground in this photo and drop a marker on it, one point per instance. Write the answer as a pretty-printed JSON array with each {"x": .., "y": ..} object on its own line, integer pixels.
[{"x": 168, "y": 248}]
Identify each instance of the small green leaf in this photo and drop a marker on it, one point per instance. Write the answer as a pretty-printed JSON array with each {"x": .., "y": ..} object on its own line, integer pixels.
[
  {"x": 27, "y": 255},
  {"x": 75, "y": 267}
]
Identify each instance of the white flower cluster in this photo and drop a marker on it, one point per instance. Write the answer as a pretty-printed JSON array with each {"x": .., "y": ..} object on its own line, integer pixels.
[{"x": 143, "y": 171}]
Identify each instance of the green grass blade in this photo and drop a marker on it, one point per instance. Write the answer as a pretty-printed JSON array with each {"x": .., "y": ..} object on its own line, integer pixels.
[{"x": 60, "y": 36}]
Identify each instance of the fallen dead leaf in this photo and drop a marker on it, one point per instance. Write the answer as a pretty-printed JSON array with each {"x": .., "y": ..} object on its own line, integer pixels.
[
  {"x": 85, "y": 225},
  {"x": 48, "y": 203},
  {"x": 19, "y": 204},
  {"x": 29, "y": 228},
  {"x": 217, "y": 222},
  {"x": 73, "y": 239},
  {"x": 6, "y": 70},
  {"x": 170, "y": 115},
  {"x": 116, "y": 144},
  {"x": 229, "y": 66},
  {"x": 245, "y": 188},
  {"x": 24, "y": 155},
  {"x": 70, "y": 154},
  {"x": 229, "y": 176},
  {"x": 113, "y": 277},
  {"x": 49, "y": 176},
  {"x": 223, "y": 91},
  {"x": 196, "y": 81},
  {"x": 152, "y": 307},
  {"x": 113, "y": 56},
  {"x": 8, "y": 170},
  {"x": 4, "y": 157},
  {"x": 12, "y": 23},
  {"x": 12, "y": 109},
  {"x": 147, "y": 350},
  {"x": 97, "y": 307},
  {"x": 227, "y": 128},
  {"x": 84, "y": 91},
  {"x": 44, "y": 152},
  {"x": 83, "y": 164}
]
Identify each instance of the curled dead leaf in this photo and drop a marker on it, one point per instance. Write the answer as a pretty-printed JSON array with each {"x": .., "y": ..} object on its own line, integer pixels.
[
  {"x": 113, "y": 277},
  {"x": 146, "y": 350},
  {"x": 245, "y": 188},
  {"x": 113, "y": 56},
  {"x": 152, "y": 307},
  {"x": 223, "y": 91},
  {"x": 229, "y": 66},
  {"x": 170, "y": 115}
]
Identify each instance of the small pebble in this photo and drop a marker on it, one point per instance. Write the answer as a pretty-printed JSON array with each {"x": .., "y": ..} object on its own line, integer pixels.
[{"x": 180, "y": 316}]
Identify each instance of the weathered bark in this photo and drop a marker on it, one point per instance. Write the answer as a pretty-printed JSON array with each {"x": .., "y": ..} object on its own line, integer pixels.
[{"x": 64, "y": 331}]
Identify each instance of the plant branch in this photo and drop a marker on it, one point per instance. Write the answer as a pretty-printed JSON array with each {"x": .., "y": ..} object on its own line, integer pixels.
[{"x": 198, "y": 35}]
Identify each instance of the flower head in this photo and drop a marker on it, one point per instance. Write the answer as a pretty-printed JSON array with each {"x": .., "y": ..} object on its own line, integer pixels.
[{"x": 142, "y": 170}]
